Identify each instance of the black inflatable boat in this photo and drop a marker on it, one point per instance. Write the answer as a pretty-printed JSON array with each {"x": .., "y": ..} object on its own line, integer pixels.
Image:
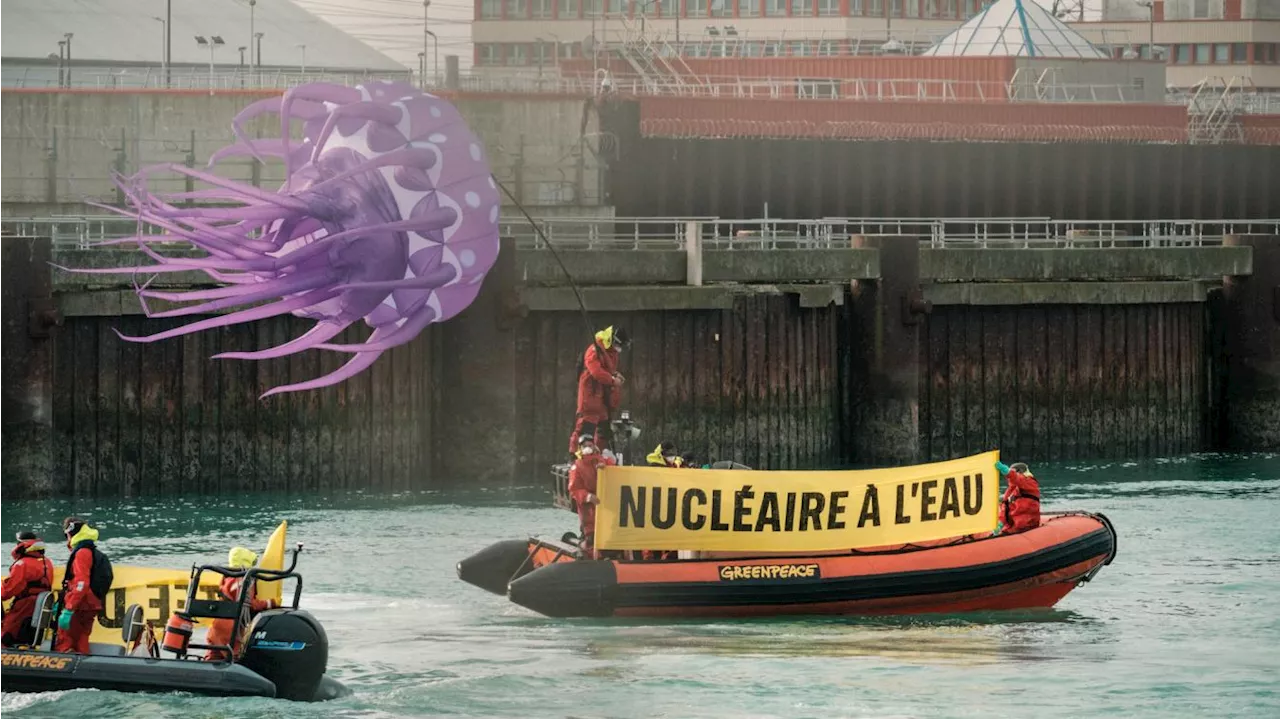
[{"x": 285, "y": 651}]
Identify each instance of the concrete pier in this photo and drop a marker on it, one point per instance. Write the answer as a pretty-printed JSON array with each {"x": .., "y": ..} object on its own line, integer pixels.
[{"x": 1252, "y": 317}]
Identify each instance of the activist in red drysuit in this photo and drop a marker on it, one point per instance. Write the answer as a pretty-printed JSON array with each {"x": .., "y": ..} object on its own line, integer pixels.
[
  {"x": 80, "y": 605},
  {"x": 229, "y": 591},
  {"x": 1020, "y": 504},
  {"x": 599, "y": 387},
  {"x": 582, "y": 487},
  {"x": 30, "y": 574}
]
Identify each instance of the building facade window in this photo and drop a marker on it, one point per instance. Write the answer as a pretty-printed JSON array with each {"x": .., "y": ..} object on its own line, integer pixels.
[
  {"x": 517, "y": 9},
  {"x": 721, "y": 8},
  {"x": 567, "y": 9},
  {"x": 1200, "y": 9},
  {"x": 773, "y": 8},
  {"x": 749, "y": 8},
  {"x": 616, "y": 8},
  {"x": 1202, "y": 54},
  {"x": 490, "y": 9},
  {"x": 828, "y": 7},
  {"x": 592, "y": 8},
  {"x": 517, "y": 54},
  {"x": 488, "y": 54},
  {"x": 542, "y": 9},
  {"x": 1239, "y": 53},
  {"x": 670, "y": 8},
  {"x": 1183, "y": 55}
]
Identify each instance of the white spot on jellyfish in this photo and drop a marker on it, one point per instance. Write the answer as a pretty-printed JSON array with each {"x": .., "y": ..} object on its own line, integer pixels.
[
  {"x": 473, "y": 200},
  {"x": 493, "y": 213},
  {"x": 436, "y": 137},
  {"x": 475, "y": 152},
  {"x": 467, "y": 258},
  {"x": 435, "y": 111},
  {"x": 492, "y": 184}
]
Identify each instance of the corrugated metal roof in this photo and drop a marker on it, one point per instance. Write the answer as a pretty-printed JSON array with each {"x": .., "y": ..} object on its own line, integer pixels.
[{"x": 124, "y": 31}]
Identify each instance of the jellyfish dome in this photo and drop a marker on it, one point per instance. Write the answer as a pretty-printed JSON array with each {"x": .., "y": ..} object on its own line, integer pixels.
[{"x": 388, "y": 214}]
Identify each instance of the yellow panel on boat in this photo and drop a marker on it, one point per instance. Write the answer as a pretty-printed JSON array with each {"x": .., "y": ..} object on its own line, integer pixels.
[
  {"x": 161, "y": 592},
  {"x": 273, "y": 558}
]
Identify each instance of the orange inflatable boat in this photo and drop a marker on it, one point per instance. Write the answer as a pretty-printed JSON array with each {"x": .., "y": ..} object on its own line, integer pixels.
[{"x": 1033, "y": 569}]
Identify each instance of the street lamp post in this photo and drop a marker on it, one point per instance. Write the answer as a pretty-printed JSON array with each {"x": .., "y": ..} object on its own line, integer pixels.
[
  {"x": 257, "y": 36},
  {"x": 164, "y": 46},
  {"x": 252, "y": 34},
  {"x": 213, "y": 43},
  {"x": 1151, "y": 27},
  {"x": 62, "y": 54},
  {"x": 426, "y": 34},
  {"x": 168, "y": 39},
  {"x": 67, "y": 37},
  {"x": 303, "y": 46},
  {"x": 435, "y": 57}
]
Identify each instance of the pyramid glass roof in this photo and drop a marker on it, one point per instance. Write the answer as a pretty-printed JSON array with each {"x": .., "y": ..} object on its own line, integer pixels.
[{"x": 1015, "y": 28}]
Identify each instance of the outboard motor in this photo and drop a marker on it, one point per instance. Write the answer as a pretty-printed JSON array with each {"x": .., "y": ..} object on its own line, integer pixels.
[{"x": 289, "y": 648}]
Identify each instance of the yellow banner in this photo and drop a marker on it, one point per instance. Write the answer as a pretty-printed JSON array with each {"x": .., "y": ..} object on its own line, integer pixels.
[{"x": 779, "y": 511}]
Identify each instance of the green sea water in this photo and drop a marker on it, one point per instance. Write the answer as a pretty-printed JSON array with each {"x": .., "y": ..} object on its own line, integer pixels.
[{"x": 1184, "y": 623}]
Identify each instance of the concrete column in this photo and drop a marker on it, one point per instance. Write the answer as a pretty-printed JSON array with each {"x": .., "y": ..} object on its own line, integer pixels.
[
  {"x": 885, "y": 348},
  {"x": 27, "y": 366},
  {"x": 693, "y": 253},
  {"x": 475, "y": 422},
  {"x": 1252, "y": 318}
]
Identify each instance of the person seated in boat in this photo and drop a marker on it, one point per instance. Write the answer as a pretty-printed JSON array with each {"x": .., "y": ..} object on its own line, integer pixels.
[
  {"x": 599, "y": 387},
  {"x": 229, "y": 591},
  {"x": 665, "y": 455},
  {"x": 582, "y": 487},
  {"x": 1020, "y": 504},
  {"x": 30, "y": 574},
  {"x": 85, "y": 585}
]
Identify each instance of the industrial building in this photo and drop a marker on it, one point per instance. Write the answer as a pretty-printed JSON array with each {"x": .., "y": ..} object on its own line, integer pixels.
[
  {"x": 1195, "y": 38},
  {"x": 132, "y": 43}
]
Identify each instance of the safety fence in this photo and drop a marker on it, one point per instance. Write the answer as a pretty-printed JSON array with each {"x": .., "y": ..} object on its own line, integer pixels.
[
  {"x": 713, "y": 233},
  {"x": 553, "y": 81}
]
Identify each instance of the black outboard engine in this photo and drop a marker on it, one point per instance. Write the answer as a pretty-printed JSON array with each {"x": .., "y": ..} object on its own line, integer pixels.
[{"x": 289, "y": 648}]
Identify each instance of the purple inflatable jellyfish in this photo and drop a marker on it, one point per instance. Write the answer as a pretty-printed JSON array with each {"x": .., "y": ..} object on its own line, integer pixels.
[{"x": 389, "y": 213}]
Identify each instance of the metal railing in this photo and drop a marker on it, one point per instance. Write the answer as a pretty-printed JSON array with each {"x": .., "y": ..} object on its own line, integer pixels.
[
  {"x": 671, "y": 233},
  {"x": 553, "y": 82}
]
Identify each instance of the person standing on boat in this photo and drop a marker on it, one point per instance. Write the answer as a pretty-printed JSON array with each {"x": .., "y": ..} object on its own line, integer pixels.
[
  {"x": 85, "y": 585},
  {"x": 30, "y": 574},
  {"x": 665, "y": 455},
  {"x": 229, "y": 591},
  {"x": 582, "y": 487},
  {"x": 1020, "y": 504},
  {"x": 599, "y": 387}
]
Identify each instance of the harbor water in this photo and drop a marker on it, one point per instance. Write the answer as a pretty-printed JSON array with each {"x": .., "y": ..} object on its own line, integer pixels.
[{"x": 1185, "y": 622}]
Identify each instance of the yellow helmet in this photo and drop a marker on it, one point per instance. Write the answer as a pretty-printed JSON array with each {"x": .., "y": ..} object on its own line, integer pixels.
[{"x": 241, "y": 558}]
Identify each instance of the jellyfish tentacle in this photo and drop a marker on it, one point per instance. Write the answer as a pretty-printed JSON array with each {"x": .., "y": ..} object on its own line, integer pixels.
[
  {"x": 193, "y": 295},
  {"x": 255, "y": 148},
  {"x": 305, "y": 110},
  {"x": 437, "y": 277},
  {"x": 269, "y": 288},
  {"x": 224, "y": 244},
  {"x": 417, "y": 157},
  {"x": 365, "y": 110},
  {"x": 282, "y": 307},
  {"x": 319, "y": 333},
  {"x": 353, "y": 367},
  {"x": 288, "y": 201},
  {"x": 317, "y": 91},
  {"x": 395, "y": 337}
]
